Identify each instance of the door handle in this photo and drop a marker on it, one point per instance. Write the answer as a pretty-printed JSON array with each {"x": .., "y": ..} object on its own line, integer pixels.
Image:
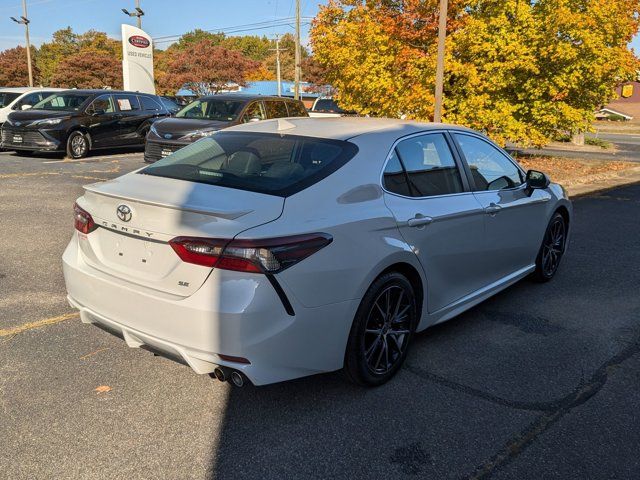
[
  {"x": 492, "y": 209},
  {"x": 419, "y": 220}
]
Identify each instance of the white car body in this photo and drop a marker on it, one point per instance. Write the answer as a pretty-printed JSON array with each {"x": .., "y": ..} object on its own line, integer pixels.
[
  {"x": 314, "y": 112},
  {"x": 23, "y": 98},
  {"x": 125, "y": 276}
]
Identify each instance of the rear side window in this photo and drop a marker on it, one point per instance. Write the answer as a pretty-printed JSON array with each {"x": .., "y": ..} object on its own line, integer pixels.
[
  {"x": 428, "y": 164},
  {"x": 127, "y": 103},
  {"x": 259, "y": 162},
  {"x": 276, "y": 109},
  {"x": 490, "y": 168},
  {"x": 149, "y": 103},
  {"x": 296, "y": 109}
]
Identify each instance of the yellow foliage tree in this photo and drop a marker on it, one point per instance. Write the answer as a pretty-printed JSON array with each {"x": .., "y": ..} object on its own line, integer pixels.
[{"x": 519, "y": 70}]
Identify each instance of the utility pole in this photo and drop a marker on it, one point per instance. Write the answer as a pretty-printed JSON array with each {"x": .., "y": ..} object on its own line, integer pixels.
[
  {"x": 138, "y": 14},
  {"x": 442, "y": 35},
  {"x": 296, "y": 88},
  {"x": 278, "y": 75},
  {"x": 24, "y": 20}
]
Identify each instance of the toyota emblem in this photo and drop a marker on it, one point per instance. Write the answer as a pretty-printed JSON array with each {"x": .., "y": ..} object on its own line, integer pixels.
[
  {"x": 167, "y": 136},
  {"x": 124, "y": 213}
]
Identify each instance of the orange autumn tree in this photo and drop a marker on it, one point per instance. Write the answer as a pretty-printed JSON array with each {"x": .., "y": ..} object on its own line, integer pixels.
[{"x": 519, "y": 70}]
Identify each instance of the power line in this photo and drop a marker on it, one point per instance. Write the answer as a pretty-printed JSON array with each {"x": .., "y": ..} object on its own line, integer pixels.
[{"x": 287, "y": 21}]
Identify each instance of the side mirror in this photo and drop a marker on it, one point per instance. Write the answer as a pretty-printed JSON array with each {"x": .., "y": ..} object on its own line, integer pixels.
[
  {"x": 536, "y": 180},
  {"x": 254, "y": 119},
  {"x": 25, "y": 107}
]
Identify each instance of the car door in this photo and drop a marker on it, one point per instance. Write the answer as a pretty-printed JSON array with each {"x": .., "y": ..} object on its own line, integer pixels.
[
  {"x": 102, "y": 121},
  {"x": 131, "y": 119},
  {"x": 437, "y": 214},
  {"x": 515, "y": 218}
]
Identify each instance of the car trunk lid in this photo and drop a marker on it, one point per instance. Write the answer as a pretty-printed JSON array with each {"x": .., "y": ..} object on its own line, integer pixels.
[{"x": 137, "y": 215}]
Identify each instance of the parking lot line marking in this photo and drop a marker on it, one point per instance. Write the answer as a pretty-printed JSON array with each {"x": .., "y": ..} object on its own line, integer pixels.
[
  {"x": 31, "y": 174},
  {"x": 39, "y": 324},
  {"x": 93, "y": 353}
]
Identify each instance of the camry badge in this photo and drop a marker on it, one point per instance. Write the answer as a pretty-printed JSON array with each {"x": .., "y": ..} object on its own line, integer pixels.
[
  {"x": 124, "y": 213},
  {"x": 167, "y": 136}
]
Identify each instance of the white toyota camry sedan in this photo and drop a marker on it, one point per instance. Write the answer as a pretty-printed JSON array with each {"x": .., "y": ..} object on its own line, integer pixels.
[{"x": 285, "y": 248}]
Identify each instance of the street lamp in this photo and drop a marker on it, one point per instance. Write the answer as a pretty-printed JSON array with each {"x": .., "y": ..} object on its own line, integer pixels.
[
  {"x": 138, "y": 13},
  {"x": 442, "y": 35},
  {"x": 25, "y": 21}
]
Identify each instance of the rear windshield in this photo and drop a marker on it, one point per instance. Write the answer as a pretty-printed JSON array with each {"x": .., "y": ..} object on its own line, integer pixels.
[
  {"x": 259, "y": 162},
  {"x": 63, "y": 101},
  {"x": 7, "y": 97}
]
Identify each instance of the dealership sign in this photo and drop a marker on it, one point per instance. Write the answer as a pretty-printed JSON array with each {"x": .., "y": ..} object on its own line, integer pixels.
[{"x": 137, "y": 60}]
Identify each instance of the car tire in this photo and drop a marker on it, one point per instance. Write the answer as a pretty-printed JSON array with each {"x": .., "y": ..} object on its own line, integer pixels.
[
  {"x": 551, "y": 250},
  {"x": 381, "y": 332},
  {"x": 77, "y": 145}
]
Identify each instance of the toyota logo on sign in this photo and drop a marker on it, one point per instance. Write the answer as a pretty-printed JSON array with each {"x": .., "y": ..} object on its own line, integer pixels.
[
  {"x": 139, "y": 41},
  {"x": 124, "y": 213}
]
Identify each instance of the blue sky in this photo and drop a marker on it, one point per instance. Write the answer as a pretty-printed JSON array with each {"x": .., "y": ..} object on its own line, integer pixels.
[{"x": 162, "y": 17}]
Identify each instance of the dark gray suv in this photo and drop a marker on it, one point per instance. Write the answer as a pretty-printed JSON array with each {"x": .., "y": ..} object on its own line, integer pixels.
[{"x": 206, "y": 115}]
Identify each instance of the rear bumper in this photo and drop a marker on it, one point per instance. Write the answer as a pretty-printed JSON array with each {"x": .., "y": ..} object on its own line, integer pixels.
[{"x": 233, "y": 313}]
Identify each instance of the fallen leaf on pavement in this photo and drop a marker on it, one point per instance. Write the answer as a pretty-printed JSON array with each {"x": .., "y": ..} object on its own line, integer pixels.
[{"x": 103, "y": 389}]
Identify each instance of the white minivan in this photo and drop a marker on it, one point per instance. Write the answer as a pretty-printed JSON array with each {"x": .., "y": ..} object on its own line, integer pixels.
[{"x": 21, "y": 98}]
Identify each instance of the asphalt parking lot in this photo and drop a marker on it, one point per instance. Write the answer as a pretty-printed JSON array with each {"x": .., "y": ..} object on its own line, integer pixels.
[{"x": 542, "y": 381}]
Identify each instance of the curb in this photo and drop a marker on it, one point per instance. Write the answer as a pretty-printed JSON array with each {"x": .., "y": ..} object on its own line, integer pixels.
[{"x": 618, "y": 179}]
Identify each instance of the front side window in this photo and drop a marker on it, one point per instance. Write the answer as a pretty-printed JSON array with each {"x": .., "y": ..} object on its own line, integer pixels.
[
  {"x": 102, "y": 104},
  {"x": 429, "y": 165},
  {"x": 254, "y": 112},
  {"x": 69, "y": 102},
  {"x": 490, "y": 168},
  {"x": 276, "y": 109},
  {"x": 127, "y": 103},
  {"x": 213, "y": 109},
  {"x": 259, "y": 162}
]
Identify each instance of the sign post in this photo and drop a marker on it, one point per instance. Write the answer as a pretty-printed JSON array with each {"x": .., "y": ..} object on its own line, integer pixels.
[{"x": 137, "y": 60}]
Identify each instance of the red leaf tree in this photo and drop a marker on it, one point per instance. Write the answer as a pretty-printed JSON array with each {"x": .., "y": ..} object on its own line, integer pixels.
[
  {"x": 205, "y": 68},
  {"x": 13, "y": 67},
  {"x": 88, "y": 69}
]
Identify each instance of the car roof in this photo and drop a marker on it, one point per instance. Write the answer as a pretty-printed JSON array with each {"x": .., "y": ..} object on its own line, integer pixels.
[
  {"x": 341, "y": 128},
  {"x": 101, "y": 91},
  {"x": 29, "y": 89},
  {"x": 242, "y": 96}
]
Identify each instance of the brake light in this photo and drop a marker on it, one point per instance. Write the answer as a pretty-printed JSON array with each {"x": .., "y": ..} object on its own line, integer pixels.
[
  {"x": 82, "y": 220},
  {"x": 271, "y": 255}
]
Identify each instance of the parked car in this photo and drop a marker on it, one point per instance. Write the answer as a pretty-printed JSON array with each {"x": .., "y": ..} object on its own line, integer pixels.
[
  {"x": 206, "y": 115},
  {"x": 327, "y": 107},
  {"x": 22, "y": 98},
  {"x": 170, "y": 104},
  {"x": 275, "y": 250},
  {"x": 77, "y": 121}
]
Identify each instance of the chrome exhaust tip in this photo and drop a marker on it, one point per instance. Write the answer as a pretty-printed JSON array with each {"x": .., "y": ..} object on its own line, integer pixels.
[
  {"x": 220, "y": 374},
  {"x": 237, "y": 379}
]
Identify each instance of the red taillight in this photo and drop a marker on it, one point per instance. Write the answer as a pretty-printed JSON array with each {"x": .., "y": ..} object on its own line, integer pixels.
[
  {"x": 82, "y": 220},
  {"x": 271, "y": 255}
]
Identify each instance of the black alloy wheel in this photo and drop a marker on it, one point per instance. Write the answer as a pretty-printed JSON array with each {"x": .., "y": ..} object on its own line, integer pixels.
[
  {"x": 552, "y": 249},
  {"x": 381, "y": 332}
]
